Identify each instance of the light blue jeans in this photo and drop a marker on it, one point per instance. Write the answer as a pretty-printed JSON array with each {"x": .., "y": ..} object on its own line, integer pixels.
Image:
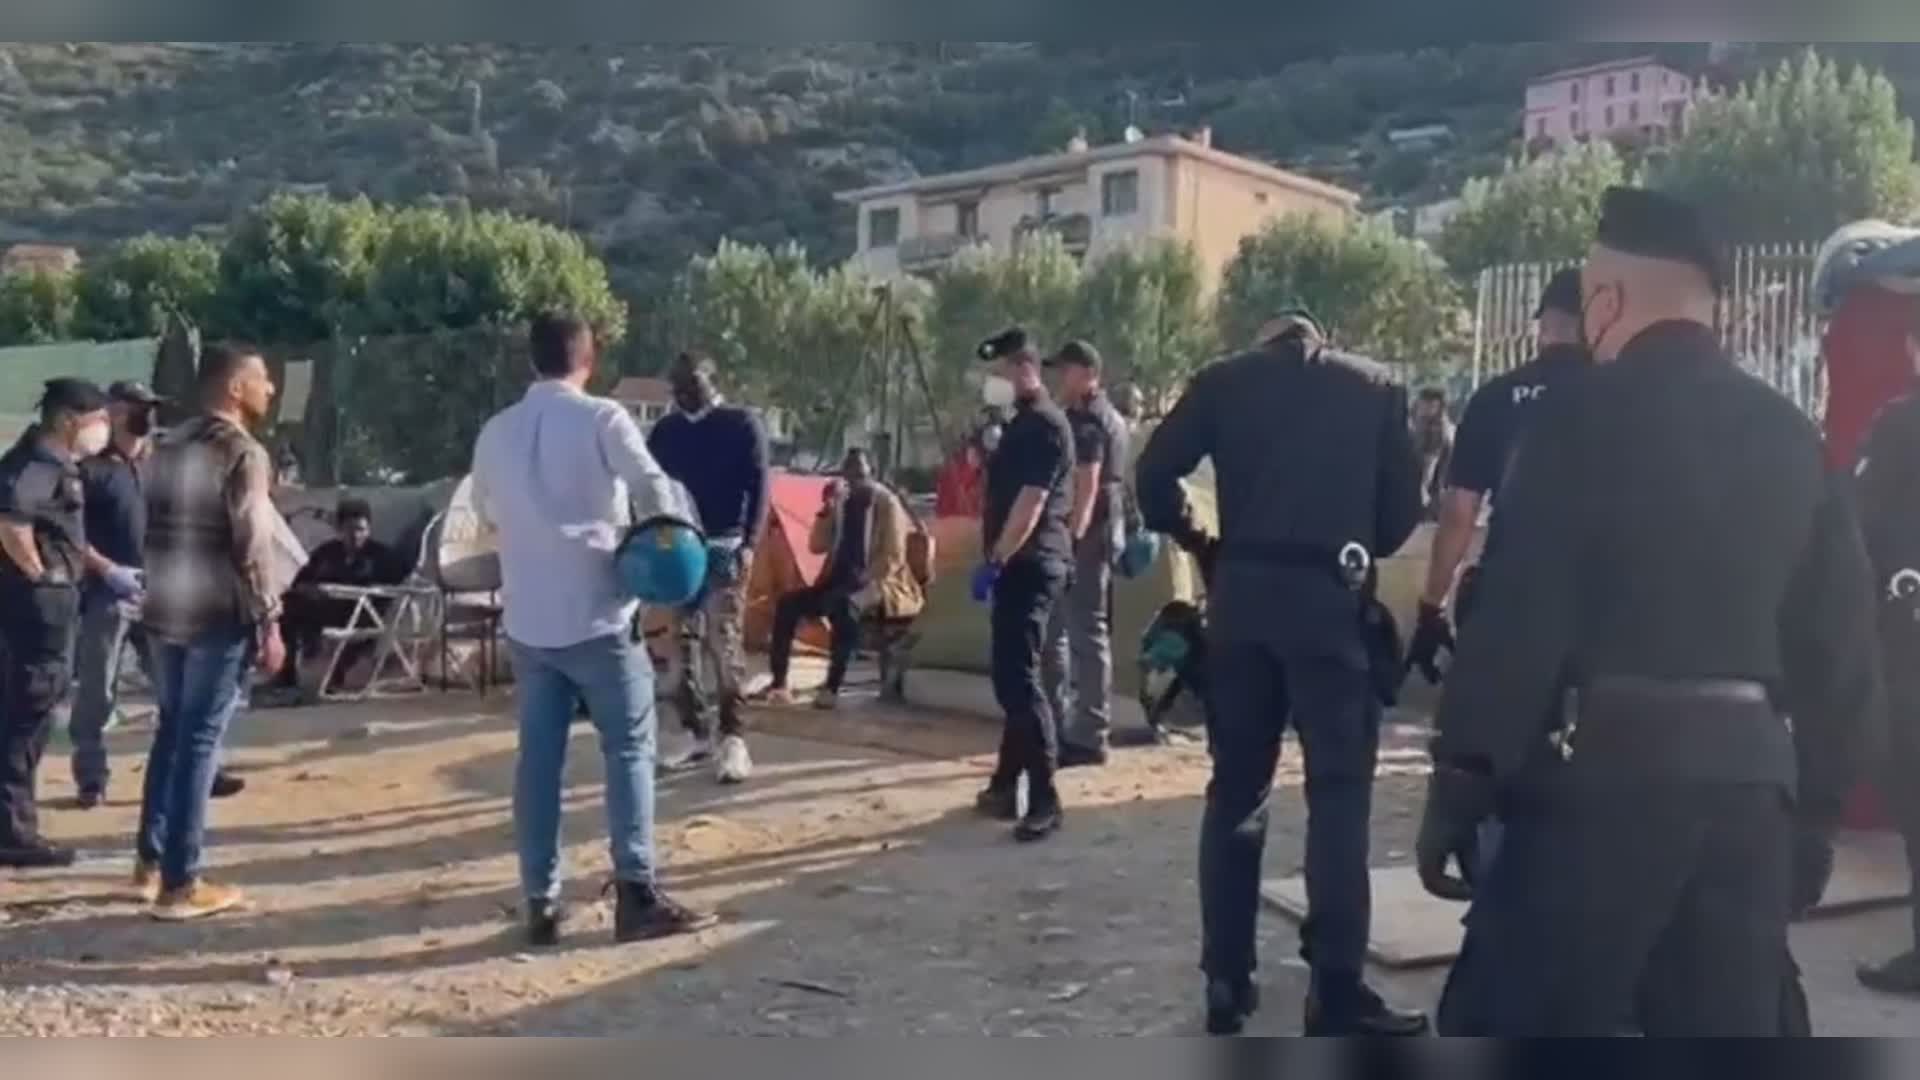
[
  {"x": 615, "y": 677},
  {"x": 199, "y": 687}
]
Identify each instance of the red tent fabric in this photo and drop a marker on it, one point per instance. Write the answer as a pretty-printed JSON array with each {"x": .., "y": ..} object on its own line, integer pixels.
[{"x": 1867, "y": 367}]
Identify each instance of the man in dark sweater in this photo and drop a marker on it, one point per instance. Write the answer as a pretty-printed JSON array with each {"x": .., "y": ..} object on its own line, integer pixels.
[
  {"x": 352, "y": 558},
  {"x": 719, "y": 452}
]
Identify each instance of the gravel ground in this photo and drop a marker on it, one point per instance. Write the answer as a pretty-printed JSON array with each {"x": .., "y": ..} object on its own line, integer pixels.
[{"x": 860, "y": 895}]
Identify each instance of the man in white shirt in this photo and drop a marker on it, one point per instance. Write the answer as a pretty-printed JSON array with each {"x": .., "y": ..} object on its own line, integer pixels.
[{"x": 556, "y": 475}]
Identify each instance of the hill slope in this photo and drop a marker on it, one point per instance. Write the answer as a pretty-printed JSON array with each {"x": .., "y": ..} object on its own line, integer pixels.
[{"x": 657, "y": 151}]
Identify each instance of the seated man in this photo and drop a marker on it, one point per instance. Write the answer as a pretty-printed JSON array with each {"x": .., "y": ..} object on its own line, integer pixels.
[
  {"x": 353, "y": 557},
  {"x": 862, "y": 529}
]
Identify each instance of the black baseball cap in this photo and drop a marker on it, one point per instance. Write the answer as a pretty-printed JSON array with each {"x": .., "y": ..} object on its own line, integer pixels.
[
  {"x": 1003, "y": 344},
  {"x": 134, "y": 392},
  {"x": 67, "y": 395},
  {"x": 1077, "y": 353},
  {"x": 1655, "y": 225},
  {"x": 1562, "y": 294}
]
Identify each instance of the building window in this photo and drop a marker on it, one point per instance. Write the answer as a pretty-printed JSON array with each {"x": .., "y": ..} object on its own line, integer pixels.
[
  {"x": 1120, "y": 193},
  {"x": 1046, "y": 197},
  {"x": 1576, "y": 93},
  {"x": 1636, "y": 82},
  {"x": 1610, "y": 85},
  {"x": 1633, "y": 113},
  {"x": 1540, "y": 128},
  {"x": 1609, "y": 116},
  {"x": 883, "y": 227},
  {"x": 968, "y": 219}
]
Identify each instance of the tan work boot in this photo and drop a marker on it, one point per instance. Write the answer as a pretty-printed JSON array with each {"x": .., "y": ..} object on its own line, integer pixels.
[
  {"x": 146, "y": 881},
  {"x": 197, "y": 901}
]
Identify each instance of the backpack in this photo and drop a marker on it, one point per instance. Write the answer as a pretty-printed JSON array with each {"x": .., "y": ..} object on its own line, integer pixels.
[{"x": 922, "y": 551}]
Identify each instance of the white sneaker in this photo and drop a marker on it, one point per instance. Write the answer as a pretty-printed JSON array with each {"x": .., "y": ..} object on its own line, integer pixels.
[
  {"x": 826, "y": 700},
  {"x": 735, "y": 765},
  {"x": 695, "y": 754}
]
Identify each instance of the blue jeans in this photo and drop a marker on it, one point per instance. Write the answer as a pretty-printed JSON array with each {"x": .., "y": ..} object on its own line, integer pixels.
[
  {"x": 615, "y": 678},
  {"x": 96, "y": 663},
  {"x": 198, "y": 686}
]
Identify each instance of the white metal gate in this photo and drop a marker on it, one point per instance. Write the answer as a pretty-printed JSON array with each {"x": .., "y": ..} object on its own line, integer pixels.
[{"x": 1767, "y": 319}]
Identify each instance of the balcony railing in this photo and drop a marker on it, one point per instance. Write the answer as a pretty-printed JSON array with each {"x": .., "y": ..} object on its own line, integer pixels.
[
  {"x": 930, "y": 250},
  {"x": 1074, "y": 230}
]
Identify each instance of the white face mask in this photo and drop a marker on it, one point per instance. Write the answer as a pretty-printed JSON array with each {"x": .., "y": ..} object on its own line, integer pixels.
[
  {"x": 998, "y": 392},
  {"x": 91, "y": 440}
]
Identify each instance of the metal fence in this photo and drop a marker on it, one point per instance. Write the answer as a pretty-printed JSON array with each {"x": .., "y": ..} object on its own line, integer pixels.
[{"x": 1767, "y": 319}]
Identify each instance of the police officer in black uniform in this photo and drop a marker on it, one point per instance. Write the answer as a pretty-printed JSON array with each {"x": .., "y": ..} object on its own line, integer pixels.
[
  {"x": 1483, "y": 447},
  {"x": 1027, "y": 547},
  {"x": 1670, "y": 675},
  {"x": 1312, "y": 459},
  {"x": 1496, "y": 415},
  {"x": 43, "y": 562},
  {"x": 1888, "y": 484}
]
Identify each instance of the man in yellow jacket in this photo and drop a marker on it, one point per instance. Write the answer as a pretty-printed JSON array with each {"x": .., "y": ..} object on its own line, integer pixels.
[{"x": 862, "y": 529}]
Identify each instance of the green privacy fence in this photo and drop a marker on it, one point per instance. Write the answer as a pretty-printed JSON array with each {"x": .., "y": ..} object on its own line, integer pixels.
[{"x": 25, "y": 368}]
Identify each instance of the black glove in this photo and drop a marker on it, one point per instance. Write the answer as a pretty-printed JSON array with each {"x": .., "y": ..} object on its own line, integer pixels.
[
  {"x": 1430, "y": 635},
  {"x": 1812, "y": 866},
  {"x": 1458, "y": 801}
]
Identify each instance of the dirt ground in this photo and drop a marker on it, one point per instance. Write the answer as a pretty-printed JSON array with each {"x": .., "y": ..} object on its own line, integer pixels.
[
  {"x": 861, "y": 896},
  {"x": 860, "y": 893}
]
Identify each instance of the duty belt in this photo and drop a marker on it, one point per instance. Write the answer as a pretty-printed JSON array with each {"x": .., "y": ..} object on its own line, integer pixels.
[
  {"x": 1351, "y": 564},
  {"x": 1705, "y": 728}
]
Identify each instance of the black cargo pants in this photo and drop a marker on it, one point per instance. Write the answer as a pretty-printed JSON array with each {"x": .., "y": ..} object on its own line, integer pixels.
[
  {"x": 1256, "y": 692},
  {"x": 1023, "y": 605},
  {"x": 37, "y": 626}
]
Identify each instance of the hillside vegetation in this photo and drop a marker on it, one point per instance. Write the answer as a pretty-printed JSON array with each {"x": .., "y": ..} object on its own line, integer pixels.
[{"x": 656, "y": 152}]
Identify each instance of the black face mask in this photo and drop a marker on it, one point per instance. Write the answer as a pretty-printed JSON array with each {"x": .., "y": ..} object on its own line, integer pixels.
[{"x": 140, "y": 424}]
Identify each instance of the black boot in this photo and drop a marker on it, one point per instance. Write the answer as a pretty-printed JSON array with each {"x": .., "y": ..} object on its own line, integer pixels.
[
  {"x": 1042, "y": 820},
  {"x": 544, "y": 919},
  {"x": 1355, "y": 1010},
  {"x": 1229, "y": 1003},
  {"x": 640, "y": 913},
  {"x": 1900, "y": 975},
  {"x": 1001, "y": 802}
]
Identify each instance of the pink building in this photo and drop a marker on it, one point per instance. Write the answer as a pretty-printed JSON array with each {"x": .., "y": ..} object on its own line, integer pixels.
[{"x": 1623, "y": 99}]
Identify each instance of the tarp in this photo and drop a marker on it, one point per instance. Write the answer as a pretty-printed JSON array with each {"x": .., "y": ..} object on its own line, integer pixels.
[{"x": 25, "y": 368}]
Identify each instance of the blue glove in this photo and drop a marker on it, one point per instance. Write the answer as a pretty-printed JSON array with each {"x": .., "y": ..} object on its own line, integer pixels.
[
  {"x": 124, "y": 582},
  {"x": 984, "y": 579}
]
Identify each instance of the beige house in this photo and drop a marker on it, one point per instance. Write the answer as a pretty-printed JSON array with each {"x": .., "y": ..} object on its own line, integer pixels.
[
  {"x": 1097, "y": 199},
  {"x": 43, "y": 258}
]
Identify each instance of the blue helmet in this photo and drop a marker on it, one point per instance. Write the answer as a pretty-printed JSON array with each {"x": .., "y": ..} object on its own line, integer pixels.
[
  {"x": 1142, "y": 550},
  {"x": 663, "y": 562}
]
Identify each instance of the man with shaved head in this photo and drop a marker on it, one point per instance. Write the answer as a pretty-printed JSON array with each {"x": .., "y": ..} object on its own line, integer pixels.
[{"x": 1669, "y": 677}]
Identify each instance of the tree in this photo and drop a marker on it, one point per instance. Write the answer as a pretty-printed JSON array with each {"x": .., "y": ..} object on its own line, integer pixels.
[
  {"x": 784, "y": 334},
  {"x": 297, "y": 269},
  {"x": 1797, "y": 153},
  {"x": 36, "y": 307},
  {"x": 981, "y": 292},
  {"x": 132, "y": 290},
  {"x": 1376, "y": 293},
  {"x": 1145, "y": 309},
  {"x": 1544, "y": 210},
  {"x": 434, "y": 271}
]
